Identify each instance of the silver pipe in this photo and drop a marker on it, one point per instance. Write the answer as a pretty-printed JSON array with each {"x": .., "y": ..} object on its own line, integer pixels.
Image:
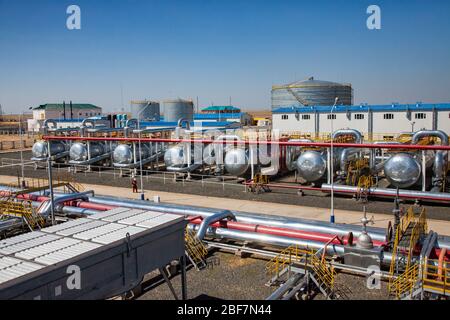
[
  {"x": 226, "y": 214},
  {"x": 189, "y": 168},
  {"x": 440, "y": 156},
  {"x": 46, "y": 206},
  {"x": 355, "y": 133},
  {"x": 181, "y": 121},
  {"x": 91, "y": 161},
  {"x": 289, "y": 284},
  {"x": 385, "y": 192},
  {"x": 283, "y": 242},
  {"x": 244, "y": 217},
  {"x": 293, "y": 152}
]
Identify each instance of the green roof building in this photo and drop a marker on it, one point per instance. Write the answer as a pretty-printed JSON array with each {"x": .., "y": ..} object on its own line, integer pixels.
[{"x": 221, "y": 109}]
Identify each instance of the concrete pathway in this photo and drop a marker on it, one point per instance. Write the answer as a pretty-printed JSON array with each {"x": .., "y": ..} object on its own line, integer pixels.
[{"x": 321, "y": 214}]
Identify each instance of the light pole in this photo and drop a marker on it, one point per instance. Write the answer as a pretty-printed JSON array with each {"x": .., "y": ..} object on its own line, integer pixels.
[
  {"x": 140, "y": 150},
  {"x": 21, "y": 148},
  {"x": 332, "y": 162},
  {"x": 412, "y": 125}
]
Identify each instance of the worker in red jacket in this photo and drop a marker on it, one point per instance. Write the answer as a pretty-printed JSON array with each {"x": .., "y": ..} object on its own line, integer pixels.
[{"x": 134, "y": 185}]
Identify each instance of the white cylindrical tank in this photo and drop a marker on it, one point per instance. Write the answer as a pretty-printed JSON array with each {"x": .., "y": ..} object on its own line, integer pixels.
[
  {"x": 177, "y": 109},
  {"x": 145, "y": 110}
]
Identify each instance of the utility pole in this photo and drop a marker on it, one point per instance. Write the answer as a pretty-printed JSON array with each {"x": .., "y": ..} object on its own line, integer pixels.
[
  {"x": 332, "y": 219},
  {"x": 50, "y": 182}
]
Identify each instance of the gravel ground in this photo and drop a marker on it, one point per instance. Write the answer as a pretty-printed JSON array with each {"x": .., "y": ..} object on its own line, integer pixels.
[
  {"x": 245, "y": 279},
  {"x": 231, "y": 190}
]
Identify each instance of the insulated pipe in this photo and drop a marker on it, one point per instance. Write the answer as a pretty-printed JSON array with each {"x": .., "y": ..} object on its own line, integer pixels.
[
  {"x": 189, "y": 168},
  {"x": 106, "y": 203},
  {"x": 280, "y": 143},
  {"x": 440, "y": 156},
  {"x": 343, "y": 161},
  {"x": 181, "y": 121},
  {"x": 226, "y": 214},
  {"x": 315, "y": 236},
  {"x": 46, "y": 122},
  {"x": 355, "y": 133},
  {"x": 288, "y": 285},
  {"x": 245, "y": 217},
  {"x": 384, "y": 192},
  {"x": 127, "y": 127},
  {"x": 291, "y": 155},
  {"x": 263, "y": 239},
  {"x": 45, "y": 207}
]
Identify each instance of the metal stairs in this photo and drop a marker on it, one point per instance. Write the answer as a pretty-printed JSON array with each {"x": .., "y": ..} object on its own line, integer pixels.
[{"x": 195, "y": 250}]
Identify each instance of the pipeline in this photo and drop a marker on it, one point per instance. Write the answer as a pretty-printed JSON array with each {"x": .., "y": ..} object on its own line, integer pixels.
[
  {"x": 272, "y": 142},
  {"x": 391, "y": 193},
  {"x": 226, "y": 214},
  {"x": 107, "y": 203},
  {"x": 298, "y": 234},
  {"x": 440, "y": 159}
]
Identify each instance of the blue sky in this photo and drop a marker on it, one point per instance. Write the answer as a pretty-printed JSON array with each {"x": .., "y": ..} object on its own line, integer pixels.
[{"x": 216, "y": 49}]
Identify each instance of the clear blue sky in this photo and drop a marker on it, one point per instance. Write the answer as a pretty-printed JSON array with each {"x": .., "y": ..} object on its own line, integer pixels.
[{"x": 215, "y": 49}]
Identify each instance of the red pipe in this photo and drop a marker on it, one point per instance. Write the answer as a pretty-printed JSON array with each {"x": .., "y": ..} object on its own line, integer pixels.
[
  {"x": 291, "y": 233},
  {"x": 271, "y": 142},
  {"x": 285, "y": 186}
]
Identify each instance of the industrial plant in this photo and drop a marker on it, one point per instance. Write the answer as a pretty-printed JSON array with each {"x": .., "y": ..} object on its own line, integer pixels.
[{"x": 316, "y": 148}]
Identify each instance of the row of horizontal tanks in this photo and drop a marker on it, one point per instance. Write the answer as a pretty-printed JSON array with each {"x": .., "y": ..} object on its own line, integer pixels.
[
  {"x": 86, "y": 153},
  {"x": 402, "y": 169}
]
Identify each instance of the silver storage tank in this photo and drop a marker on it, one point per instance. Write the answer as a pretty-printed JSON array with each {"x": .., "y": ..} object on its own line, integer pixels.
[
  {"x": 311, "y": 92},
  {"x": 177, "y": 109},
  {"x": 402, "y": 170},
  {"x": 311, "y": 165},
  {"x": 79, "y": 152},
  {"x": 145, "y": 110},
  {"x": 123, "y": 153},
  {"x": 236, "y": 161},
  {"x": 39, "y": 149}
]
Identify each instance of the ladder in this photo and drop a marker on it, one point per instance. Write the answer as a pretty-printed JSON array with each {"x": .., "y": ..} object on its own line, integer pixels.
[{"x": 195, "y": 250}]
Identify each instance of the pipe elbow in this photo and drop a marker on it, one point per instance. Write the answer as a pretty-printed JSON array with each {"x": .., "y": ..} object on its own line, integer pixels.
[{"x": 226, "y": 214}]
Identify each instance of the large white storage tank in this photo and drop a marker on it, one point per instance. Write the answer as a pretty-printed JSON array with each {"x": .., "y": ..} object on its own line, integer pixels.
[
  {"x": 311, "y": 92},
  {"x": 145, "y": 110},
  {"x": 176, "y": 109}
]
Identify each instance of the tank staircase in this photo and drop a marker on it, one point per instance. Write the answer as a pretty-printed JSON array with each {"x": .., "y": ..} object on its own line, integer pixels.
[
  {"x": 67, "y": 181},
  {"x": 195, "y": 250},
  {"x": 413, "y": 278},
  {"x": 23, "y": 210},
  {"x": 313, "y": 269},
  {"x": 259, "y": 184}
]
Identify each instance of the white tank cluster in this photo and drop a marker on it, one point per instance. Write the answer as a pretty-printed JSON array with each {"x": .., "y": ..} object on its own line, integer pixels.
[{"x": 424, "y": 171}]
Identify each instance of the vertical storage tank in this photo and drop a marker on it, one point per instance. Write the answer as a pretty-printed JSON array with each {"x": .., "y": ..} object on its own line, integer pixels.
[
  {"x": 176, "y": 109},
  {"x": 145, "y": 110},
  {"x": 311, "y": 92}
]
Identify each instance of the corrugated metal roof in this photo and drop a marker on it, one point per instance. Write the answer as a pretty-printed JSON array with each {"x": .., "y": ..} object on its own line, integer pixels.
[
  {"x": 201, "y": 116},
  {"x": 364, "y": 108},
  {"x": 221, "y": 108},
  {"x": 58, "y": 106},
  {"x": 174, "y": 124}
]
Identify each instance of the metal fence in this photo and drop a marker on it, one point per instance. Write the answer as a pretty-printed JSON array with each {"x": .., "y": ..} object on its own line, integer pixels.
[{"x": 162, "y": 176}]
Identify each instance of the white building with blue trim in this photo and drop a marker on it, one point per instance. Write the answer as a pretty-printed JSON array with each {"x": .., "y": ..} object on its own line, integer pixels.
[{"x": 386, "y": 121}]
